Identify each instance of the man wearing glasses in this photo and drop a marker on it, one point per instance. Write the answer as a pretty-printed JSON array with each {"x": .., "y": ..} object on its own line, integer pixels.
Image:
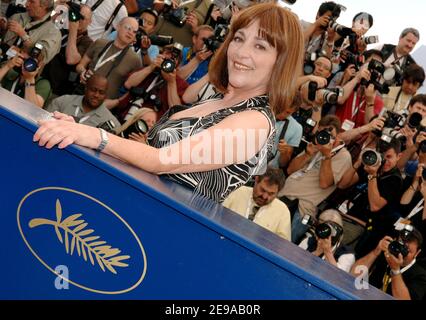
[{"x": 114, "y": 60}]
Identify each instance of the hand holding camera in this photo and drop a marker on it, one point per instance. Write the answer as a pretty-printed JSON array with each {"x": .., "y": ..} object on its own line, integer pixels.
[
  {"x": 376, "y": 124},
  {"x": 322, "y": 22},
  {"x": 324, "y": 246},
  {"x": 311, "y": 149},
  {"x": 203, "y": 55},
  {"x": 15, "y": 62},
  {"x": 192, "y": 21},
  {"x": 383, "y": 245}
]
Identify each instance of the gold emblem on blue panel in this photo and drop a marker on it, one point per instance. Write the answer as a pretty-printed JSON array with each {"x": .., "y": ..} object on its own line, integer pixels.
[{"x": 61, "y": 226}]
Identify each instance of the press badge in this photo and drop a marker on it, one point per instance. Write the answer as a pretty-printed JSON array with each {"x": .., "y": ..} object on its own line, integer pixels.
[{"x": 348, "y": 125}]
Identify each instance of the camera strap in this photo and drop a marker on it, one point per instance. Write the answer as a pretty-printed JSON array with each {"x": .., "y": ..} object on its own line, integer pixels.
[
  {"x": 419, "y": 207},
  {"x": 318, "y": 157},
  {"x": 282, "y": 134},
  {"x": 119, "y": 55},
  {"x": 114, "y": 14},
  {"x": 355, "y": 107},
  {"x": 18, "y": 42},
  {"x": 96, "y": 5}
]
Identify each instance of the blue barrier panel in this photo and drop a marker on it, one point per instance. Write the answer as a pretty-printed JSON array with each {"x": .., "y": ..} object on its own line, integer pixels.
[{"x": 117, "y": 232}]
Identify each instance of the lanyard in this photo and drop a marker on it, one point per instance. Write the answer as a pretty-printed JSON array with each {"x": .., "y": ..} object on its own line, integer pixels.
[
  {"x": 387, "y": 279},
  {"x": 318, "y": 157},
  {"x": 355, "y": 108},
  {"x": 417, "y": 209},
  {"x": 14, "y": 86},
  {"x": 101, "y": 60}
]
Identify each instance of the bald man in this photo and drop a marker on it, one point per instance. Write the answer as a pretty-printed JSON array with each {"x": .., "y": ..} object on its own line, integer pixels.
[{"x": 113, "y": 60}]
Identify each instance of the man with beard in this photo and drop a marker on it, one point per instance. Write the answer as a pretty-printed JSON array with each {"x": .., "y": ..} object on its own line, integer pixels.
[
  {"x": 88, "y": 109},
  {"x": 260, "y": 204}
]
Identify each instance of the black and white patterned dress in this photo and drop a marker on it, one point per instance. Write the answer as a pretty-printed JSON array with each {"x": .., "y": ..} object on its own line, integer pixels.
[{"x": 215, "y": 184}]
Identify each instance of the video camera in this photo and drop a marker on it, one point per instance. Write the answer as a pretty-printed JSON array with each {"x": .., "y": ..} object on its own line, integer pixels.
[
  {"x": 324, "y": 230},
  {"x": 176, "y": 16},
  {"x": 215, "y": 41}
]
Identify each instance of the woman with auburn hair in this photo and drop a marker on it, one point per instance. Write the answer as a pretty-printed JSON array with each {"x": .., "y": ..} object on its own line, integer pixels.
[{"x": 214, "y": 146}]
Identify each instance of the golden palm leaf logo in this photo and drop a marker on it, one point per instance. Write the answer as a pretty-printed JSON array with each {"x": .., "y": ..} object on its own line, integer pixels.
[{"x": 87, "y": 244}]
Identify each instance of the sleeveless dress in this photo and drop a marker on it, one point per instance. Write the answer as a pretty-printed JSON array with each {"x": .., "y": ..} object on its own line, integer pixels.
[{"x": 215, "y": 184}]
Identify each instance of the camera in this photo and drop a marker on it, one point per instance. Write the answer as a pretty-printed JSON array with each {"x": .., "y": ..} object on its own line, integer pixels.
[
  {"x": 30, "y": 64},
  {"x": 74, "y": 10},
  {"x": 328, "y": 95},
  {"x": 169, "y": 65},
  {"x": 214, "y": 42},
  {"x": 138, "y": 97},
  {"x": 176, "y": 16},
  {"x": 139, "y": 126},
  {"x": 324, "y": 230},
  {"x": 370, "y": 39},
  {"x": 309, "y": 65},
  {"x": 335, "y": 14},
  {"x": 108, "y": 126},
  {"x": 379, "y": 76},
  {"x": 225, "y": 6},
  {"x": 414, "y": 120},
  {"x": 308, "y": 127},
  {"x": 156, "y": 40},
  {"x": 399, "y": 245},
  {"x": 323, "y": 137},
  {"x": 331, "y": 95},
  {"x": 370, "y": 157}
]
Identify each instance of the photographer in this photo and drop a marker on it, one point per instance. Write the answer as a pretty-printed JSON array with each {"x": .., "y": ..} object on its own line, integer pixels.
[
  {"x": 88, "y": 109},
  {"x": 393, "y": 272},
  {"x": 361, "y": 104},
  {"x": 195, "y": 59},
  {"x": 114, "y": 60},
  {"x": 260, "y": 204},
  {"x": 412, "y": 135},
  {"x": 25, "y": 83},
  {"x": 34, "y": 26},
  {"x": 288, "y": 133},
  {"x": 166, "y": 86},
  {"x": 107, "y": 14},
  {"x": 75, "y": 41},
  {"x": 399, "y": 56},
  {"x": 371, "y": 202},
  {"x": 326, "y": 242},
  {"x": 318, "y": 35},
  {"x": 399, "y": 97},
  {"x": 173, "y": 19},
  {"x": 134, "y": 130},
  {"x": 315, "y": 173}
]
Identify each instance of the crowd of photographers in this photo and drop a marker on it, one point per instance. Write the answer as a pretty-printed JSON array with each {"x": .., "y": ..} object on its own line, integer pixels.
[{"x": 346, "y": 180}]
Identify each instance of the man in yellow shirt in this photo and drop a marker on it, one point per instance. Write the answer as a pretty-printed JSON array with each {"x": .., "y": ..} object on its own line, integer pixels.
[{"x": 260, "y": 203}]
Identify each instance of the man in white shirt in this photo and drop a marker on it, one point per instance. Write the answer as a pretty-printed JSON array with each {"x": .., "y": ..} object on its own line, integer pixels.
[
  {"x": 260, "y": 204},
  {"x": 106, "y": 15}
]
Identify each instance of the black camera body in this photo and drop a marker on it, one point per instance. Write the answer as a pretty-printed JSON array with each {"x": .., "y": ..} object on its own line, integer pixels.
[
  {"x": 215, "y": 41},
  {"x": 377, "y": 70},
  {"x": 324, "y": 230},
  {"x": 74, "y": 14},
  {"x": 169, "y": 65},
  {"x": 176, "y": 16},
  {"x": 31, "y": 63}
]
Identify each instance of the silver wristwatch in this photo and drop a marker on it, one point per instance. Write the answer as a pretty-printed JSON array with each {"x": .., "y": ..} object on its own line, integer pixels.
[{"x": 104, "y": 140}]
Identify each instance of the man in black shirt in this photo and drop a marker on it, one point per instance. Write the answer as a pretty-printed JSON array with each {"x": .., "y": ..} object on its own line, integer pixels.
[
  {"x": 400, "y": 276},
  {"x": 374, "y": 195}
]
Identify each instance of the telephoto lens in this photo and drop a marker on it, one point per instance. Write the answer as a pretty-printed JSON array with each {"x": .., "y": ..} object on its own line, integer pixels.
[
  {"x": 139, "y": 126},
  {"x": 370, "y": 157}
]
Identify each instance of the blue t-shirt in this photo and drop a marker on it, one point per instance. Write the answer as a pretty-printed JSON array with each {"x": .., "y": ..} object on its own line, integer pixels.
[
  {"x": 292, "y": 136},
  {"x": 201, "y": 70}
]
